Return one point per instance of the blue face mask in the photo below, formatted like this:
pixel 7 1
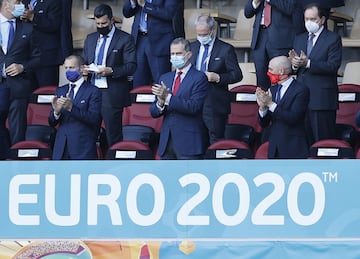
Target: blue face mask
pixel 178 61
pixel 19 10
pixel 72 75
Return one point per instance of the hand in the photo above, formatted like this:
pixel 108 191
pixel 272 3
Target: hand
pixel 57 106
pixel 67 105
pixel 212 76
pixel 14 69
pixel 141 3
pixel 105 71
pixel 84 70
pixel 28 14
pixel 260 98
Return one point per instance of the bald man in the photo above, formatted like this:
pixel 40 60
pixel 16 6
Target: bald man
pixel 284 107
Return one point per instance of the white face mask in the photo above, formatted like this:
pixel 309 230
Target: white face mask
pixel 204 39
pixel 312 26
pixel 178 61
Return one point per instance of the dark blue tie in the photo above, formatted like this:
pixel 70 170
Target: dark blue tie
pixel 11 34
pixel 71 95
pixel 278 94
pixel 203 59
pixel 100 56
pixel 310 44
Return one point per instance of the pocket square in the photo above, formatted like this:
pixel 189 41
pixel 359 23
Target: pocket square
pixel 217 59
pixel 41 11
pixel 23 36
pixel 115 50
pixel 82 101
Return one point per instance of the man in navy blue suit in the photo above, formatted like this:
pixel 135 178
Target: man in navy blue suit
pixel 273 32
pixel 180 96
pixel 221 67
pixel 77 111
pixel 153 32
pixel 284 107
pixel 316 65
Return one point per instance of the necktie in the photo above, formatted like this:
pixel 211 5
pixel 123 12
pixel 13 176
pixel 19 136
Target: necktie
pixel 267 14
pixel 100 56
pixel 177 83
pixel 71 95
pixel 203 59
pixel 11 34
pixel 144 253
pixel 310 43
pixel 278 94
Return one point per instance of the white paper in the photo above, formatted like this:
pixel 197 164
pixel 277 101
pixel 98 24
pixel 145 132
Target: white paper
pixel 94 68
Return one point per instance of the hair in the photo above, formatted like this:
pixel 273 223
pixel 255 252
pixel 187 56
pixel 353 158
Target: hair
pixel 79 59
pixel 321 11
pixel 102 10
pixel 182 41
pixel 206 20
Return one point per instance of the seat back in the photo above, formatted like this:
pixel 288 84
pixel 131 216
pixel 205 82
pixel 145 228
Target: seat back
pixel 40 105
pixel 126 24
pixel 351 73
pixel 355 28
pixel 349 104
pixel 241 132
pixel 138 113
pixel 262 151
pixel 331 149
pixel 30 150
pixel 244 27
pixel 129 150
pixel 43 133
pixel 249 75
pixel 244 108
pixel 229 149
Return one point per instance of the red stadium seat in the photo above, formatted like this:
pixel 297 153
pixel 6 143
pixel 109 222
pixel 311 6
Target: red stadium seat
pixel 30 150
pixel 129 150
pixel 262 151
pixel 349 104
pixel 228 149
pixel 40 105
pixel 330 149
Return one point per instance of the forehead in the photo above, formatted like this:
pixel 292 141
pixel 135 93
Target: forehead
pixel 102 19
pixel 177 48
pixel 202 27
pixel 311 13
pixel 70 62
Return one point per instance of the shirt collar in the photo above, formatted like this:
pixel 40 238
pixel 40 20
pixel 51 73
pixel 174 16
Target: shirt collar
pixel 78 82
pixel 3 19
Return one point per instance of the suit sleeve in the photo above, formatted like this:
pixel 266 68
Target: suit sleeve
pixel 249 10
pixel 128 11
pixel 128 66
pixel 233 72
pixel 284 6
pixel 50 20
pixel 165 12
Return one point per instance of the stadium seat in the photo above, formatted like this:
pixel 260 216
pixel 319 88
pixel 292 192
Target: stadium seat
pixel 330 149
pixel 40 105
pixel 240 132
pixel 30 150
pixel 144 134
pixel 262 151
pixel 43 133
pixel 347 133
pixel 357 155
pixel 349 104
pixel 129 150
pixel 229 149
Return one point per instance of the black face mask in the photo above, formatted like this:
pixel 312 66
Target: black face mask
pixel 103 30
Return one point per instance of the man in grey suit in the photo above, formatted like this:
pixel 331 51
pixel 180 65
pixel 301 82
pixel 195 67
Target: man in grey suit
pixel 109 55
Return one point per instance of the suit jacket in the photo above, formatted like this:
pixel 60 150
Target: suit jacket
pixel 79 128
pixel 281 31
pixel 47 23
pixel 66 35
pixel 321 76
pixel 223 61
pixel 160 14
pixel 23 51
pixel 287 131
pixel 121 57
pixel 183 115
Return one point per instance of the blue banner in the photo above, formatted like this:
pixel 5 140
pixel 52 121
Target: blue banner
pixel 210 199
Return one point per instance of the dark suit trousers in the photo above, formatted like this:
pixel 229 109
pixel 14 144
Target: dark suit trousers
pixel 112 117
pixel 4 108
pixel 215 123
pixel 171 154
pixel 149 67
pixel 320 125
pixel 263 53
pixel 17 120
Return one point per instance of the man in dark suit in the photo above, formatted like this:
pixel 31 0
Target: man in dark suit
pixel 153 32
pixel 284 107
pixel 46 17
pixel 66 35
pixel 112 67
pixel 77 112
pixel 316 66
pixel 273 33
pixel 180 97
pixel 218 61
pixel 19 56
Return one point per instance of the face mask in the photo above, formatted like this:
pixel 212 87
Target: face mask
pixel 19 10
pixel 178 61
pixel 204 39
pixel 72 75
pixel 103 30
pixel 312 26
pixel 274 78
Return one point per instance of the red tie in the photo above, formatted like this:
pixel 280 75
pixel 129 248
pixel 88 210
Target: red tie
pixel 177 83
pixel 267 14
pixel 144 253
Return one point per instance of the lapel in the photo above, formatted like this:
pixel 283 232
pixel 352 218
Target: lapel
pixel 80 93
pixel 195 53
pixel 319 42
pixel 214 53
pixel 92 46
pixel 186 81
pixel 113 42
